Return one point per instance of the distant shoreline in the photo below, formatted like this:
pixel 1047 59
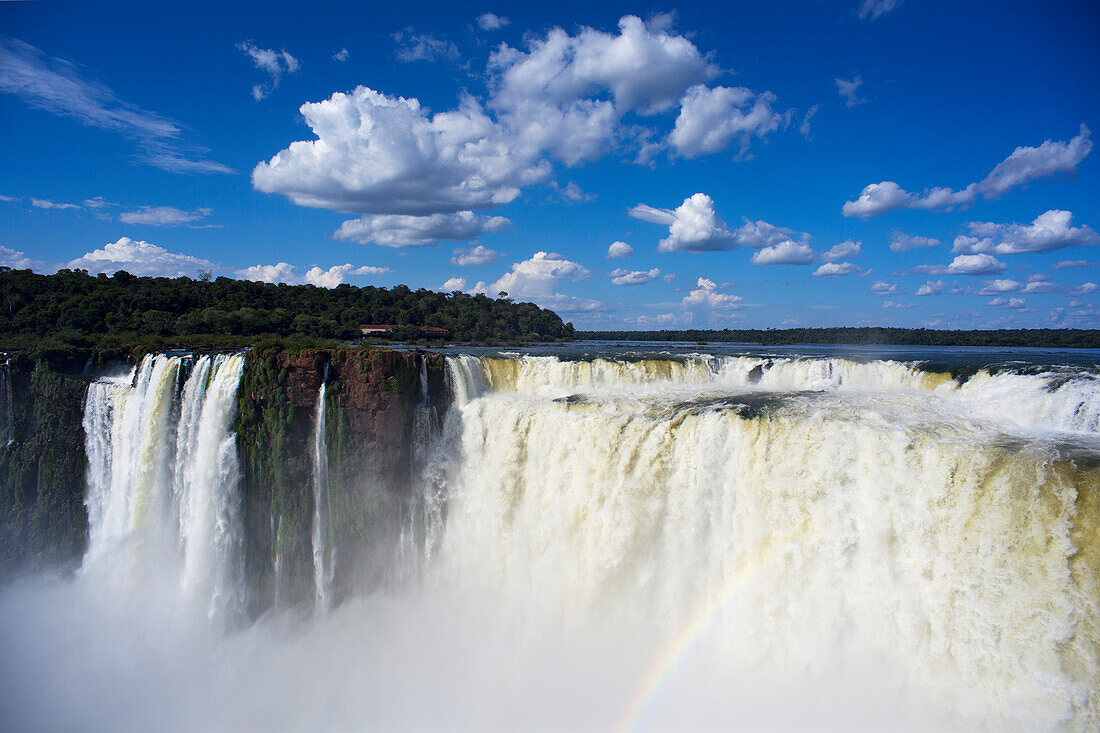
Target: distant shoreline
pixel 1061 338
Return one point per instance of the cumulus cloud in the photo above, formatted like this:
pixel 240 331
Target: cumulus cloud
pixel 845 249
pixel 881 287
pixel 1067 264
pixel 620 276
pixel 1024 165
pixel 453 284
pixel 1051 230
pixel 619 251
pixel 760 234
pixel 710 118
pixel 892 304
pixel 162 216
pixel 140 258
pixel 973 264
pixel 17 260
pixel 1084 289
pixel 330 278
pixel 478 255
pixel 399 230
pixel 901 242
pixel 341 55
pixel 271 62
pixel 1014 303
pixel 706 296
pixel 537 279
pixel 58 87
pixel 875 8
pixel 693 226
pixel 804 128
pixel 424 47
pixel 932 287
pixel 7 199
pixel 836 269
pixel 491 22
pixel 849 89
pixel 784 253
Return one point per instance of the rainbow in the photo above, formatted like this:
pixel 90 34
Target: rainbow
pixel 678 646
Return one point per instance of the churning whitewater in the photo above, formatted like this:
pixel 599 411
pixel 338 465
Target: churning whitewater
pixel 632 541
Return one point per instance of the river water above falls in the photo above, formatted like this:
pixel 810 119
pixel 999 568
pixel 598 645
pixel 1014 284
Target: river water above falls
pixel 650 538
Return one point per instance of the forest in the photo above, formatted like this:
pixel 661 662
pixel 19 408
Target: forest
pixel 870 336
pixel 74 310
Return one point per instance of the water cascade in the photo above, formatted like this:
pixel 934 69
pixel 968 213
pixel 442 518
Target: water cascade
pixel 7 417
pixel 323 552
pixel 163 481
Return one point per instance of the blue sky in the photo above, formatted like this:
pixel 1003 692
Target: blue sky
pixel 758 164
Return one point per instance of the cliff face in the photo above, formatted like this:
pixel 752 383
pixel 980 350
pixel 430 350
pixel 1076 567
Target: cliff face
pixel 42 465
pixel 370 405
pixel 372 398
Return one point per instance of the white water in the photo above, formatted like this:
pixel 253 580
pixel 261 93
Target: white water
pixel 653 545
pixel 323 553
pixel 163 497
pixel 7 418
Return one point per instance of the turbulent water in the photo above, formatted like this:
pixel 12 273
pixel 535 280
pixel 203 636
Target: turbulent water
pixel 627 541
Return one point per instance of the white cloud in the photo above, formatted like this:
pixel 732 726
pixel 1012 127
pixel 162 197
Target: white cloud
pixel 849 89
pixel 491 22
pixel 1066 264
pixel 140 258
pixel 1025 164
pixel 280 273
pixel 47 204
pixel 478 255
pixel 376 154
pixel 57 86
pixel 760 234
pixel 879 198
pixel 804 128
pixel 710 118
pixel 891 304
pixel 881 287
pixel 424 47
pixel 784 253
pixel 693 226
pixel 537 279
pixel 573 192
pixel 162 216
pixel 876 8
pixel 836 269
pixel 453 284
pixel 1084 289
pixel 901 242
pixel 619 251
pixel 271 62
pixel 7 199
pixel 330 278
pixel 978 264
pixel 1051 230
pixel 844 250
pixel 17 260
pixel 706 295
pixel 1015 303
pixel 670 277
pixel 1004 285
pixel 932 288
pixel 399 230
pixel 341 55
pixel 633 277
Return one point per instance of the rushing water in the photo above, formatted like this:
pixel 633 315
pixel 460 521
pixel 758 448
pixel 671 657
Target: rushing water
pixel 322 549
pixel 619 539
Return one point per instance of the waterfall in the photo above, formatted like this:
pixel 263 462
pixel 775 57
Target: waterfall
pixel 825 510
pixel 422 525
pixel 7 416
pixel 323 553
pixel 163 480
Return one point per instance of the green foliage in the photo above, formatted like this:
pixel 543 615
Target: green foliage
pixel 877 336
pixel 72 310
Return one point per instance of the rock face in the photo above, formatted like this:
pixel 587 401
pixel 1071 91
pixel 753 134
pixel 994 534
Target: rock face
pixel 370 405
pixel 42 465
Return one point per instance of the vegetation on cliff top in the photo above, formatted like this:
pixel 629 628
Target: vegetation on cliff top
pixel 72 309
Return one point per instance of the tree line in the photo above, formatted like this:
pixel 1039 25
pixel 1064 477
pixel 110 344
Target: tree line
pixel 72 309
pixel 869 336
